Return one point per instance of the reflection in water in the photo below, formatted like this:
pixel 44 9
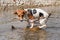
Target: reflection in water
pixel 21 34
pixel 36 35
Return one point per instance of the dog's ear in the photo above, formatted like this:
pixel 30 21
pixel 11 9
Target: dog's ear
pixel 15 13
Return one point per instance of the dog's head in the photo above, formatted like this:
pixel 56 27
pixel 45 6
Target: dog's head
pixel 20 14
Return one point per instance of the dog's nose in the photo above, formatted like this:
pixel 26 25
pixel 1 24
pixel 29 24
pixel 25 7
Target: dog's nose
pixel 21 20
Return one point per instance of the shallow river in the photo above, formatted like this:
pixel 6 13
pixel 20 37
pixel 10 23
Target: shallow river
pixel 52 32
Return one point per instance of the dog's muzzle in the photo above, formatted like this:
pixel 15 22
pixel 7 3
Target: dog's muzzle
pixel 21 20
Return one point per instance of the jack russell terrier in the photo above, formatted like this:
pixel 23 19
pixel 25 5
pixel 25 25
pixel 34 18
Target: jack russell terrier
pixel 32 14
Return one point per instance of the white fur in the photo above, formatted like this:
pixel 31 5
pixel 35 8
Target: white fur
pixel 31 23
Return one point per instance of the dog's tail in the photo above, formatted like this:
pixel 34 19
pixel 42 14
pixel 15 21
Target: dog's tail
pixel 49 15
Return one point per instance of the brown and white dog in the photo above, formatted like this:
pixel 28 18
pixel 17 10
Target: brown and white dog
pixel 33 13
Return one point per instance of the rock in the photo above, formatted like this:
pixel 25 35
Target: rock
pixel 12 27
pixel 33 29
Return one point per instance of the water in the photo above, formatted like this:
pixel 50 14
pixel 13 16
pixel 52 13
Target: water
pixel 52 32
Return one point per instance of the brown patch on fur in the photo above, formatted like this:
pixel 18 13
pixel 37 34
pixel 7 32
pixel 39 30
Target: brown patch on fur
pixel 30 16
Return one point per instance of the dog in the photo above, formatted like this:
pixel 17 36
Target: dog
pixel 32 14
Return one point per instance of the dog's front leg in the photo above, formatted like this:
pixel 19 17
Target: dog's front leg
pixel 31 23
